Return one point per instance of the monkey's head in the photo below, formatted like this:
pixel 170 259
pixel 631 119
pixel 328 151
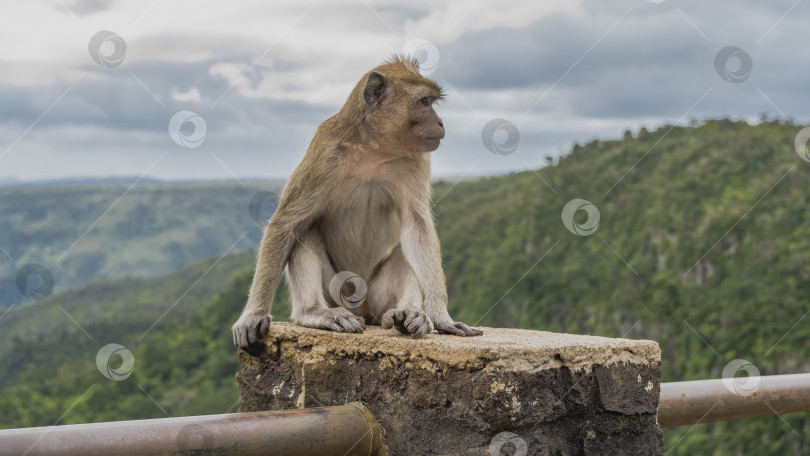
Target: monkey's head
pixel 398 103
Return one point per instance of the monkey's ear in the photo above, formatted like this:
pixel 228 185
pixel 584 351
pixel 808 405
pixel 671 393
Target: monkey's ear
pixel 376 88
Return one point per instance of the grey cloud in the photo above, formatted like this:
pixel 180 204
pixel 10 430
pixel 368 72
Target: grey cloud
pixel 653 63
pixel 399 15
pixel 109 114
pixel 86 7
pixel 114 98
pixel 650 68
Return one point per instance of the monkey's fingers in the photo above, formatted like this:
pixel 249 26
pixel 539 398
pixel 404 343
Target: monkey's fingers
pixel 411 319
pixel 258 330
pixel 394 319
pixel 264 326
pixel 361 320
pixel 458 329
pixel 349 325
pixel 418 323
pixel 468 330
pixel 337 321
pixel 248 333
pixel 242 337
pixel 444 328
pixel 387 319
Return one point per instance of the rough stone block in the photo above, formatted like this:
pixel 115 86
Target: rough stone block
pixel 527 392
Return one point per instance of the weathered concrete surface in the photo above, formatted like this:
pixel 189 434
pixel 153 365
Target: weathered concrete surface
pixel 560 394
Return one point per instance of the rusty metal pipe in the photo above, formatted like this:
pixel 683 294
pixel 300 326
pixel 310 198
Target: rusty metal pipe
pixel 706 401
pixel 348 429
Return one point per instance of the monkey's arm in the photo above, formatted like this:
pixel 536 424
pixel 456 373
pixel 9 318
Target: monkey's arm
pixel 277 242
pixel 420 245
pixel 296 210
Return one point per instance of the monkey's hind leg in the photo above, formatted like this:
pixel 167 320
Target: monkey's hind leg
pixel 307 272
pixel 396 297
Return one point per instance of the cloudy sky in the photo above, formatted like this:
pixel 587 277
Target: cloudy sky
pixel 90 87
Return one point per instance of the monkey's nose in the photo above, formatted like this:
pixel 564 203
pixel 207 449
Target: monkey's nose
pixel 441 124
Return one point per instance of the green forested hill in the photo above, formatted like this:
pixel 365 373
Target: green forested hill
pixel 716 216
pixel 84 233
pixel 176 326
pixel 128 304
pixel 702 245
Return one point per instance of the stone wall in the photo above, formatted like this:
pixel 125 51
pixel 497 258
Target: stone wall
pixel 508 392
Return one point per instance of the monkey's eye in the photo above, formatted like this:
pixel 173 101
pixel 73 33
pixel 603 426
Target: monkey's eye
pixel 426 101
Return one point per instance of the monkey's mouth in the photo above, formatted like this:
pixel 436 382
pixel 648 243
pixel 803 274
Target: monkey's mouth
pixel 433 138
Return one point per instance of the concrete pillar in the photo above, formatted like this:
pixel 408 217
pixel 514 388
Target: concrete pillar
pixel 510 391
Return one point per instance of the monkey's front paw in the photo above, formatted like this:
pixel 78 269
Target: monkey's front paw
pixel 408 321
pixel 249 330
pixel 458 329
pixel 341 320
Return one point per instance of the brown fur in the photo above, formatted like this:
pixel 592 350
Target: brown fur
pixel 360 201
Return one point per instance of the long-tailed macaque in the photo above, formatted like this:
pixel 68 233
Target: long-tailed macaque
pixel 360 201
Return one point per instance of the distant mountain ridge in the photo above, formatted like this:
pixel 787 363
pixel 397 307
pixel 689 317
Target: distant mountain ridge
pixel 123 180
pixel 83 233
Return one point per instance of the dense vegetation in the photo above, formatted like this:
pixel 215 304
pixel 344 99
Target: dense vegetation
pixel 716 214
pixel 84 233
pixel 174 325
pixel 702 246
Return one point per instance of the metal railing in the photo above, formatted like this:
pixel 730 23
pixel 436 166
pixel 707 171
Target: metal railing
pixel 348 429
pixel 706 401
pixel 351 429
